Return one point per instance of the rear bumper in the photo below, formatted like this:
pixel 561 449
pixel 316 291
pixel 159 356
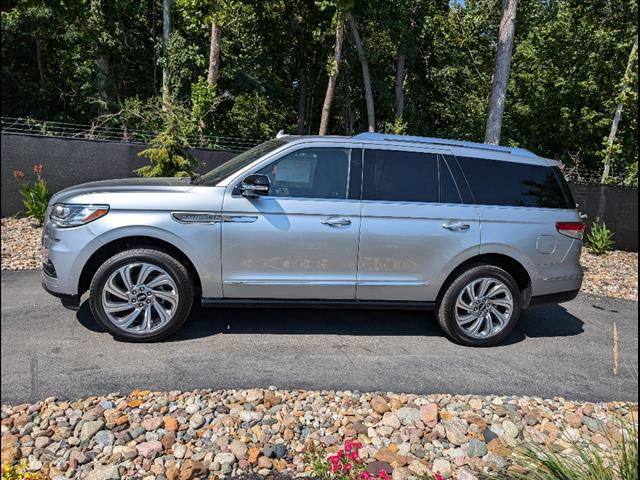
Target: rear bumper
pixel 553 298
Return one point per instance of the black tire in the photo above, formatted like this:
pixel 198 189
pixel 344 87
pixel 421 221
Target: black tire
pixel 170 265
pixel 445 308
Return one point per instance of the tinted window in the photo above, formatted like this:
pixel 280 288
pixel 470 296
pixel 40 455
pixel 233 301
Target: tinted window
pixel 513 184
pixel 310 173
pixel 400 176
pixel 238 162
pixel 449 192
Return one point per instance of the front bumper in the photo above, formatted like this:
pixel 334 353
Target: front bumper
pixel 72 302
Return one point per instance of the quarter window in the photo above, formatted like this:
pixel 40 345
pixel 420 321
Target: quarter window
pixel 400 176
pixel 496 182
pixel 310 173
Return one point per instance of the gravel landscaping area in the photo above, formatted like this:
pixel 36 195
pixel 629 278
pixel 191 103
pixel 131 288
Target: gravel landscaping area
pixel 613 275
pixel 200 434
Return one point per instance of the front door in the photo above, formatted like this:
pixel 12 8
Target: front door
pixel 301 240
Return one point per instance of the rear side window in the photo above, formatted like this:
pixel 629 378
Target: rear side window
pixel 514 184
pixel 400 176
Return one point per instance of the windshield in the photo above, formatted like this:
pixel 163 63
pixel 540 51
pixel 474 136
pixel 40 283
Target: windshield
pixel 221 172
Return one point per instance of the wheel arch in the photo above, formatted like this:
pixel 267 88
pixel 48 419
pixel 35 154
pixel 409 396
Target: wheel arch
pixel 511 265
pixel 117 245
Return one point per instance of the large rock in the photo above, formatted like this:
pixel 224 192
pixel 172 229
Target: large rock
pixel 238 449
pixel 385 454
pixel 442 466
pixel 391 420
pixel 429 414
pixel 456 431
pixel 148 449
pixel 379 405
pixel 106 472
pixel 408 416
pixel 89 429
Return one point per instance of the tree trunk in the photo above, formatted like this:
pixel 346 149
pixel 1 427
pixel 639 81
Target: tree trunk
pixel 501 73
pixel 302 97
pixel 618 114
pixel 166 28
pixel 401 73
pixel 333 79
pixel 214 54
pixel 366 78
pixel 39 60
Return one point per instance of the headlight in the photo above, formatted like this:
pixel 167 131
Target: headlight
pixel 65 215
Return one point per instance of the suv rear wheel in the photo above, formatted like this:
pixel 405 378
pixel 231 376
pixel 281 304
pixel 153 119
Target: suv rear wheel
pixel 480 307
pixel 141 295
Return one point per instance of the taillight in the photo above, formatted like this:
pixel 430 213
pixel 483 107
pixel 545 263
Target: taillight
pixel 571 229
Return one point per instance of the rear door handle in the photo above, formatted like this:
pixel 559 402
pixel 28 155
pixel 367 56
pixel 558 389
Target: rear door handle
pixel 336 221
pixel 455 226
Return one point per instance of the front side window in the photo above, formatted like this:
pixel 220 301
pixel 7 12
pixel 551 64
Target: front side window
pixel 238 162
pixel 310 173
pixel 400 176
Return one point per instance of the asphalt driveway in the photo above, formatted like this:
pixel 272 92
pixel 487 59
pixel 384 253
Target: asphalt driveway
pixel 562 350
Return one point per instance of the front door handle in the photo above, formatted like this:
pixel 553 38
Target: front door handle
pixel 336 221
pixel 456 226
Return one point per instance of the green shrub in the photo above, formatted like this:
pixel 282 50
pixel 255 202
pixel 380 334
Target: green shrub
pixel 168 153
pixel 600 239
pixel 588 461
pixel 35 194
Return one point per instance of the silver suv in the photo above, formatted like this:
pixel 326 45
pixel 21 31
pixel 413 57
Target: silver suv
pixel 476 232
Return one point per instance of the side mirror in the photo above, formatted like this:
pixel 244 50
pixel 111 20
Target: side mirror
pixel 254 186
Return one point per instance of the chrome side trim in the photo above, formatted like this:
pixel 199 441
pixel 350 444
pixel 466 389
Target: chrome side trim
pixel 370 283
pixel 196 217
pixel 564 277
pixel 239 218
pixel 291 282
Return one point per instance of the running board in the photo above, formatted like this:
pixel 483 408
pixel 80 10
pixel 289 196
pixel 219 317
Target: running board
pixel 314 303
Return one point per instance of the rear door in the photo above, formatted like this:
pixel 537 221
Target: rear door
pixel 301 240
pixel 415 224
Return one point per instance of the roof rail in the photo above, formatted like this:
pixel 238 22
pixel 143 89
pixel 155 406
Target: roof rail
pixel 443 141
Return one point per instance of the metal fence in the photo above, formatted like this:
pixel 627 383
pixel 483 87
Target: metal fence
pixel 29 126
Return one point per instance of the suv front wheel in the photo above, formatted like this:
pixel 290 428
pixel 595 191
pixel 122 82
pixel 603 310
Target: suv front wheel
pixel 141 295
pixel 480 307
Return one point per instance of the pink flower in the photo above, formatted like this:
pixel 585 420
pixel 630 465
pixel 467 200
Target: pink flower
pixel 365 476
pixel 348 444
pixel 37 169
pixel 347 467
pixel 438 477
pixel 18 174
pixel 383 475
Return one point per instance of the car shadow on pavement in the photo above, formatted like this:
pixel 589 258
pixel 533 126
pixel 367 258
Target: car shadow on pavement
pixel 548 321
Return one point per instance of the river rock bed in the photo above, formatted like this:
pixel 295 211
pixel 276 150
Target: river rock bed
pixel 209 434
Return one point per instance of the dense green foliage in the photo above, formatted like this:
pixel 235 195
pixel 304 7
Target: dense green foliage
pixel 97 61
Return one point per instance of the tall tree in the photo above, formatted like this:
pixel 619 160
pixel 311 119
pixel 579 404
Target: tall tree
pixel 214 52
pixel 166 29
pixel 501 72
pixel 333 77
pixel 366 77
pixel 401 74
pixel 618 114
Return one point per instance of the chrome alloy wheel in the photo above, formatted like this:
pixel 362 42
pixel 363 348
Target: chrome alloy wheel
pixel 140 298
pixel 484 307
